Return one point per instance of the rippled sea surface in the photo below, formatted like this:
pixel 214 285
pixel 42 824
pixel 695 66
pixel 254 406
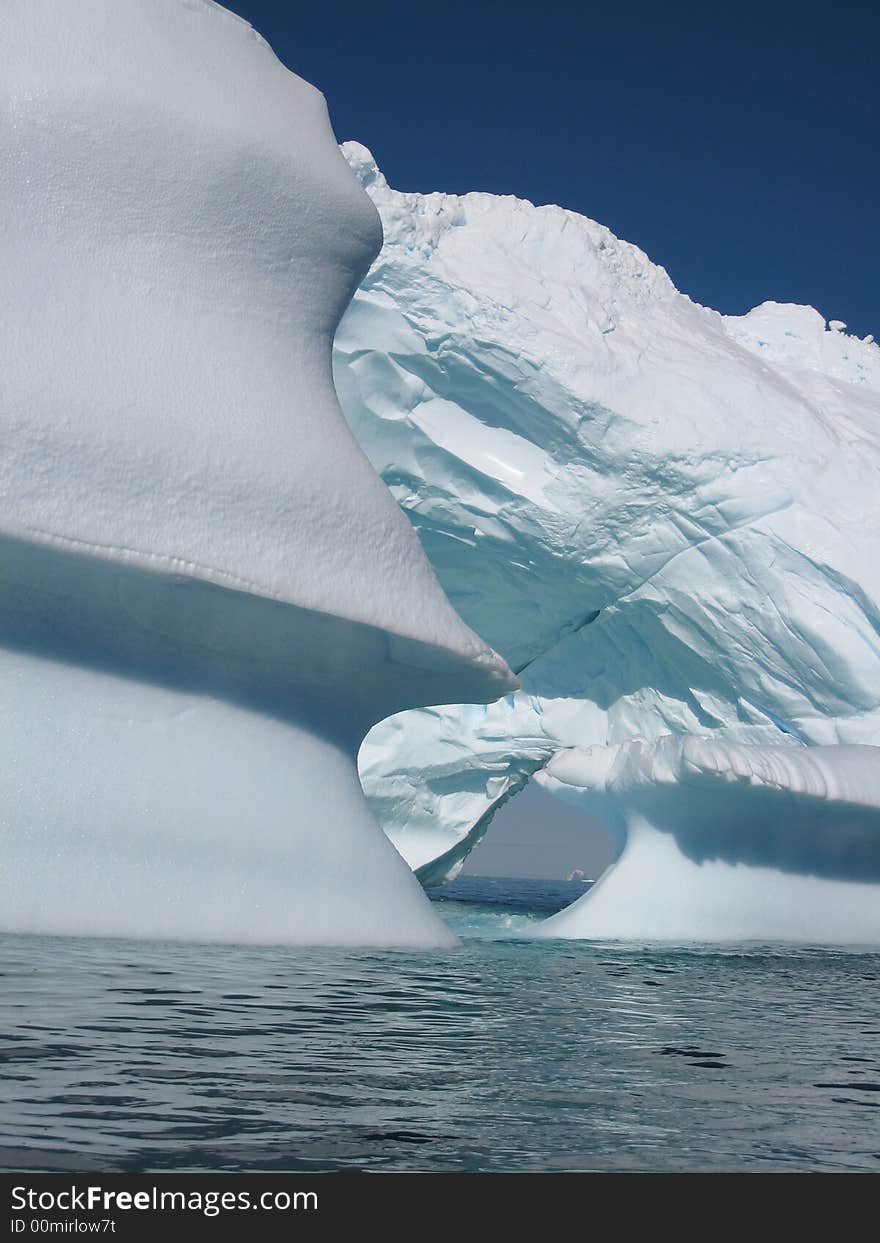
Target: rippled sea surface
pixel 507 1054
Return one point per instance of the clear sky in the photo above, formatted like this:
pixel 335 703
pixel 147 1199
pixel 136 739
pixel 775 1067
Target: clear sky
pixel 736 144
pixel 536 835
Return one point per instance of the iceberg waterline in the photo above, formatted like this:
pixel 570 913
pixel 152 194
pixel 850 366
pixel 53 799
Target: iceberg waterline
pixel 668 520
pixel 208 594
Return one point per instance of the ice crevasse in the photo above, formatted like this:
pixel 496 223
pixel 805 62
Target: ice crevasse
pixel 668 521
pixel 208 595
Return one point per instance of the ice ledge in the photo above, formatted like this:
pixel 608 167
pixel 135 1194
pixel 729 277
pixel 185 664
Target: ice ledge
pixel 721 842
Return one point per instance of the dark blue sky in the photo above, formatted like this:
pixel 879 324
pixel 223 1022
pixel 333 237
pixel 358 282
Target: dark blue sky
pixel 737 146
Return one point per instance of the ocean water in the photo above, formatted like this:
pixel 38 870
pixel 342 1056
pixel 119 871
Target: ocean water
pixel 507 1055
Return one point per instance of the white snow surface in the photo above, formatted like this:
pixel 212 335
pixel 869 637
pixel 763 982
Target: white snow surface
pixel 666 519
pixel 208 594
pixel 178 249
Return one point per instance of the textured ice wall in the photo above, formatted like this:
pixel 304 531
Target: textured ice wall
pixel 668 520
pixel 208 594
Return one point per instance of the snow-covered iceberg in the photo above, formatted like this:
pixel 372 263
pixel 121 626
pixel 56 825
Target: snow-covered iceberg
pixel 208 594
pixel 666 519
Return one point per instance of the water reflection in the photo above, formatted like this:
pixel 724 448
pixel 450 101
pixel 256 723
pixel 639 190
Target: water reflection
pixel 505 1055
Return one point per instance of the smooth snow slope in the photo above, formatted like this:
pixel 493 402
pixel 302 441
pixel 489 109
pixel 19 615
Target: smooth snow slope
pixel 667 520
pixel 209 596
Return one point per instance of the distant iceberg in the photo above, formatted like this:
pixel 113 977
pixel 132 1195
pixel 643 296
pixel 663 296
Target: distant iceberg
pixel 667 520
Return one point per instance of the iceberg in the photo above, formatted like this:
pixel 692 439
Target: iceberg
pixel 666 519
pixel 209 596
pixel 224 596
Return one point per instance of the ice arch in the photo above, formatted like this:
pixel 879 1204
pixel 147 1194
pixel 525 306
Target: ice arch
pixel 723 842
pixel 208 594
